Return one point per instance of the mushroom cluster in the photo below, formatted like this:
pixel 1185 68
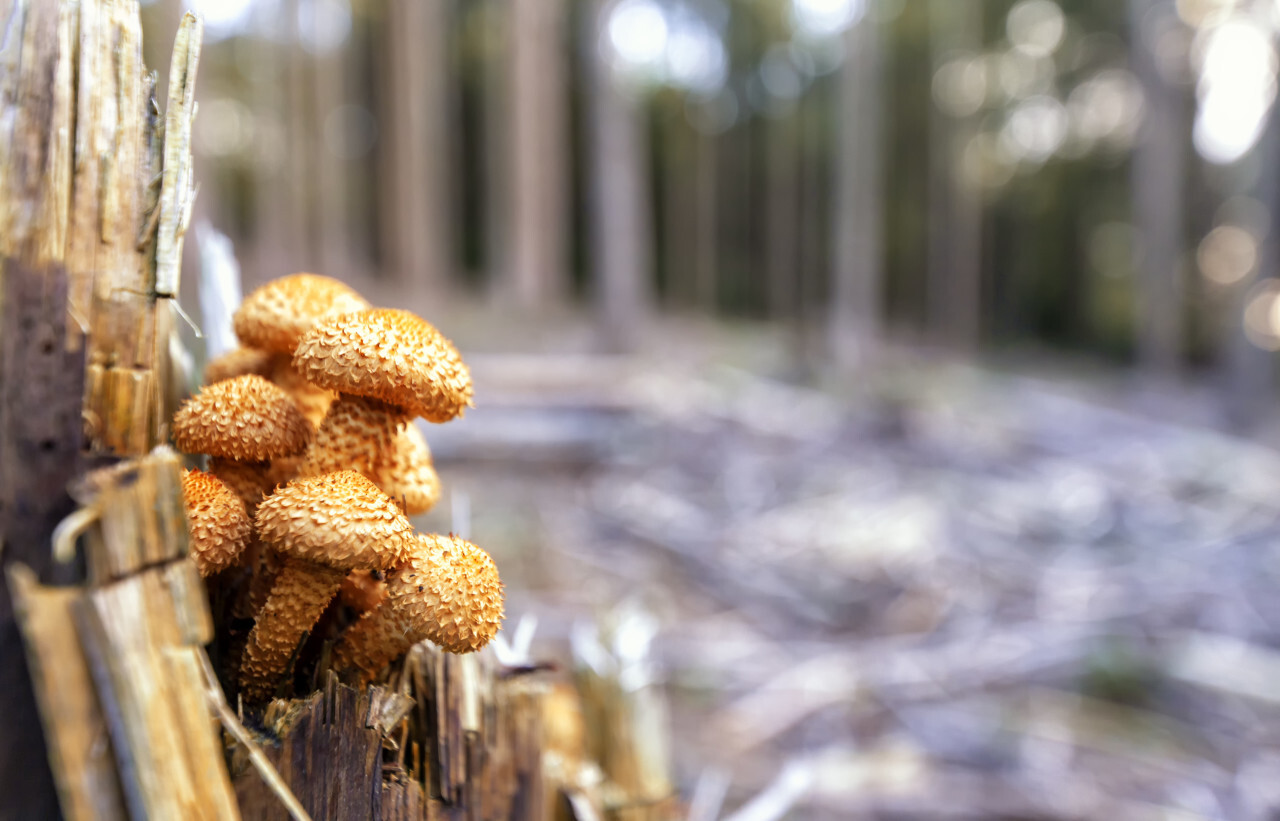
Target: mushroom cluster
pixel 315 465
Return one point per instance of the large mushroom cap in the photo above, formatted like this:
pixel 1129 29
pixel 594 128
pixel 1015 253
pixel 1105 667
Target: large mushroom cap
pixel 391 355
pixel 451 590
pixel 245 418
pixel 275 316
pixel 220 527
pixel 340 520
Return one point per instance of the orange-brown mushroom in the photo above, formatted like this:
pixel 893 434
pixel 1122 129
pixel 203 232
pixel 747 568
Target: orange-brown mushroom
pixel 242 423
pixel 388 366
pixel 323 528
pixel 238 362
pixel 447 591
pixel 274 317
pixel 220 527
pixel 245 418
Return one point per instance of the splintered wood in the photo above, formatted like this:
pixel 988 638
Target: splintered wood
pixel 448 738
pixel 117 664
pixel 95 194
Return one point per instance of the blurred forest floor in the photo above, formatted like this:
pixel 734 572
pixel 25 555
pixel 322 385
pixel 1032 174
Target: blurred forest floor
pixel 936 592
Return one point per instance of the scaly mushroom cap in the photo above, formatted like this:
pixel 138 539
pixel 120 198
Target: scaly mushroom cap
pixel 448 591
pixel 390 355
pixel 245 418
pixel 340 520
pixel 275 316
pixel 220 528
pixel 238 362
pixel 458 595
pixel 408 475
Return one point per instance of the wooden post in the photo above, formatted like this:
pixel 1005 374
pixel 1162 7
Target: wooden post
pixel 621 228
pixel 854 321
pixel 90 231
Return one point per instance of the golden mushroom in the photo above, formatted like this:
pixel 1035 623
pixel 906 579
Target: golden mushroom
pixel 244 419
pixel 274 317
pixel 388 366
pixel 220 527
pixel 323 528
pixel 447 591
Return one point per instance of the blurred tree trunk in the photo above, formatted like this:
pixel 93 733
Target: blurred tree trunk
pixel 496 126
pixel 280 225
pixel 954 298
pixel 301 142
pixel 1159 161
pixel 783 167
pixel 707 222
pixel 619 202
pixel 1250 370
pixel 857 281
pixel 332 228
pixel 538 146
pixel 679 210
pixel 415 178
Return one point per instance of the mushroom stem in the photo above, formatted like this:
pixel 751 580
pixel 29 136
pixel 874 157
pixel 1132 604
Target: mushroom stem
pixel 356 434
pixel 374 642
pixel 302 591
pixel 249 480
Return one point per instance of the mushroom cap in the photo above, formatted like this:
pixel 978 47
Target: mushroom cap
pixel 340 520
pixel 238 362
pixel 276 315
pixel 220 527
pixel 245 418
pixel 408 473
pixel 391 355
pixel 449 590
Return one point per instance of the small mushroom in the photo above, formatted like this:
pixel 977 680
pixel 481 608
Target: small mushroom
pixel 362 590
pixel 448 592
pixel 274 318
pixel 220 527
pixel 388 366
pixel 246 419
pixel 238 362
pixel 323 528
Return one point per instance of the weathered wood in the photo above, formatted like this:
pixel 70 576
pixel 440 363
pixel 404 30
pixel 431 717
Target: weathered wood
pixel 447 738
pixel 88 783
pixel 121 661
